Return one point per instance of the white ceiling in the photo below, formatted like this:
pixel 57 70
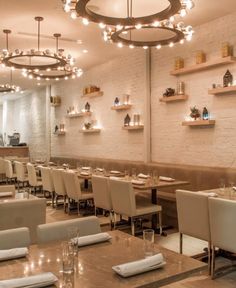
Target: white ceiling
pixel 18 15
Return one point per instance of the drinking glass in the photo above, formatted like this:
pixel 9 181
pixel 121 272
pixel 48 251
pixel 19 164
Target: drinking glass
pixel 222 186
pixel 67 257
pixel 148 237
pixel 73 234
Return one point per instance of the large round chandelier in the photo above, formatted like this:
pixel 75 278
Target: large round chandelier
pixel 34 60
pixel 122 30
pixel 9 87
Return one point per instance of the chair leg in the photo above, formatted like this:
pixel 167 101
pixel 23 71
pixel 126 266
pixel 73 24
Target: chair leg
pixel 65 203
pixel 213 263
pixel 209 258
pixel 95 210
pixel 132 226
pixel 160 222
pixel 181 243
pixel 111 218
pixel 114 221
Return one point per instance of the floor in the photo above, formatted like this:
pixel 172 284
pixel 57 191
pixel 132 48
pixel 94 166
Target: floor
pixel 192 247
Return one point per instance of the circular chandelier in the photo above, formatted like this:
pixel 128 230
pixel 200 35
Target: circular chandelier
pixel 121 30
pixel 34 60
pixel 9 88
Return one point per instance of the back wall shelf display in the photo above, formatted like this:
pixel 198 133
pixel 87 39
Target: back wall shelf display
pixel 91 130
pixel 79 114
pixel 200 122
pixel 174 98
pixel 204 66
pixel 55 101
pixel 133 128
pixel 222 90
pixel 59 133
pixel 121 107
pixel 93 94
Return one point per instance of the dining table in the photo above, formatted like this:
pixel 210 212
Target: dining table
pixel 93 265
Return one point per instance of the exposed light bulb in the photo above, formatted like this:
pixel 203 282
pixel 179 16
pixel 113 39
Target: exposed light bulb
pixel 120 45
pixel 189 37
pixel 183 12
pixel 131 46
pixel 171 44
pixel 172 19
pixel 102 25
pixel 85 21
pixel 57 79
pixel 156 24
pixel 181 41
pixel 67 8
pixel 119 27
pixel 66 78
pixel 73 15
pixel 145 47
pixel 158 46
pixel 138 26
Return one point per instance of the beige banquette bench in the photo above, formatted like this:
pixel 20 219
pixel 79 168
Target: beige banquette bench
pixel 199 177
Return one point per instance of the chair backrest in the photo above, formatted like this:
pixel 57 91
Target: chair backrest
pixel 59 230
pixel 222 223
pixel 23 213
pixel 32 177
pixel 193 214
pixel 14 238
pixel 8 169
pixel 122 197
pixel 47 180
pixel 58 181
pixel 20 171
pixel 8 188
pixel 2 166
pixel 72 185
pixel 101 192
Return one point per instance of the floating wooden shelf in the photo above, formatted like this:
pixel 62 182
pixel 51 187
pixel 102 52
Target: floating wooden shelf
pixel 174 98
pixel 55 104
pixel 204 66
pixel 222 90
pixel 135 127
pixel 59 133
pixel 93 94
pixel 80 114
pixel 121 107
pixel 199 123
pixel 92 130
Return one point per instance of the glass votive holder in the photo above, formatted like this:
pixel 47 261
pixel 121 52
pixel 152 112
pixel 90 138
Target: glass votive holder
pixel 67 257
pixel 148 238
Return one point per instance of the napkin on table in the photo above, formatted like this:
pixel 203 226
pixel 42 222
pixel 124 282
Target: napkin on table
pixel 140 266
pixel 84 173
pixel 141 175
pixel 137 182
pixel 13 253
pixel 36 281
pixel 114 172
pixel 86 168
pixel 168 179
pixel 6 194
pixel 93 239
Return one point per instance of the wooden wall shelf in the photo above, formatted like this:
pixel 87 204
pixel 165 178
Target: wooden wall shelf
pixel 80 114
pixel 222 90
pixel 199 123
pixel 93 94
pixel 121 107
pixel 92 130
pixel 55 104
pixel 133 128
pixel 173 98
pixel 204 66
pixel 58 133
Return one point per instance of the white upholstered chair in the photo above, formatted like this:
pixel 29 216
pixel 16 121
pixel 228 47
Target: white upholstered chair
pixel 222 214
pixel 73 189
pixel 59 185
pixel 14 238
pixel 101 194
pixel 59 230
pixel 47 182
pixel 8 188
pixel 193 217
pixel 32 177
pixel 23 213
pixel 2 168
pixel 9 171
pixel 20 174
pixel 124 203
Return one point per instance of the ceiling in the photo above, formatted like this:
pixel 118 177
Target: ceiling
pixel 19 17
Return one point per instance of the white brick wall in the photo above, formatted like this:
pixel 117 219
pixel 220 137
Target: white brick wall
pixel 173 143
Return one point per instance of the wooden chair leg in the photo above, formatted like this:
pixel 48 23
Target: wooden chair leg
pixel 209 257
pixel 213 263
pixel 132 226
pixel 181 243
pixel 160 222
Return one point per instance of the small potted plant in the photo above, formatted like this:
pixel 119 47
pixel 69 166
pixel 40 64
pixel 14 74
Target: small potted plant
pixel 195 113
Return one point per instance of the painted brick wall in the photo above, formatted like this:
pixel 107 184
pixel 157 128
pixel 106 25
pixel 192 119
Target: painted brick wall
pixel 173 143
pixel 117 77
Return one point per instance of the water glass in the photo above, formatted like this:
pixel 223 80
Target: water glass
pixel 67 257
pixel 148 238
pixel 222 186
pixel 73 234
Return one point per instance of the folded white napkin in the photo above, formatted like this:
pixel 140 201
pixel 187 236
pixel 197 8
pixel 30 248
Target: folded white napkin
pixel 234 188
pixel 209 194
pixel 13 253
pixel 86 168
pixel 6 194
pixel 84 173
pixel 36 281
pixel 168 179
pixel 141 175
pixel 140 266
pixel 100 169
pixel 93 239
pixel 137 182
pixel 114 172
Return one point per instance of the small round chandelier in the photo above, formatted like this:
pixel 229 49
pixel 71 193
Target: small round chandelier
pixel 9 87
pixel 122 30
pixel 34 59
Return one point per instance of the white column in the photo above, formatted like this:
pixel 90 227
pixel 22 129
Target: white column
pixel 48 122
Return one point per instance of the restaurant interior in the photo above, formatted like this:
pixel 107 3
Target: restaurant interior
pixel 117 135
